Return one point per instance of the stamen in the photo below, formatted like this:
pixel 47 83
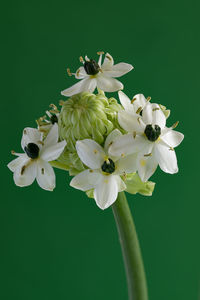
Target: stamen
pixel 22 170
pixel 138 119
pixel 100 52
pixel 148 98
pixel 13 152
pixel 156 108
pixel 122 155
pixel 149 154
pixel 69 72
pixel 91 171
pixel 134 134
pixel 139 110
pixel 175 124
pixel 81 59
pixel 108 57
pixel 171 148
pixel 133 100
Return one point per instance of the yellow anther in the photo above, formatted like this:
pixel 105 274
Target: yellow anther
pixel 148 98
pixel 139 110
pixel 175 125
pixel 81 59
pixel 100 52
pixel 122 155
pixel 108 57
pixel 69 72
pixel 156 108
pixel 149 154
pixel 91 171
pixel 171 148
pixel 133 100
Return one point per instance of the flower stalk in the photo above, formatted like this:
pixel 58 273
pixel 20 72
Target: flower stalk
pixel 137 287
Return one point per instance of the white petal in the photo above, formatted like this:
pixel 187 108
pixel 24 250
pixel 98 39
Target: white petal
pixel 166 158
pixel 80 73
pixel 108 62
pixel 108 84
pixel 86 180
pixel 86 84
pixel 139 101
pixel 52 137
pixel 118 70
pixel 152 114
pixel 52 152
pixel 125 101
pixel 146 165
pixel 121 184
pixel 30 135
pixel 110 139
pixel 45 175
pixel 105 193
pixel 25 174
pixel 127 164
pixel 130 121
pixel 91 153
pixel 20 161
pixel 127 144
pixel 172 138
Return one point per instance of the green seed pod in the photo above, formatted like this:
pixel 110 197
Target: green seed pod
pixel 85 116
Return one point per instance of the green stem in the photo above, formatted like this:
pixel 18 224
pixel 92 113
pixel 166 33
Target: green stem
pixel 58 165
pixel 137 288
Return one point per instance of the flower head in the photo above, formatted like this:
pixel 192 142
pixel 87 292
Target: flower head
pixel 148 136
pixel 95 74
pixel 104 170
pixel 34 163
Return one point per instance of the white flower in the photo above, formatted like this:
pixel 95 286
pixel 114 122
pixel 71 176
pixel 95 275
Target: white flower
pixel 104 171
pixel 34 162
pixel 98 75
pixel 148 137
pixel 44 124
pixel 136 105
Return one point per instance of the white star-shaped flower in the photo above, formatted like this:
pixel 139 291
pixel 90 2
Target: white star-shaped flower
pixel 148 136
pixel 34 162
pixel 94 74
pixel 104 170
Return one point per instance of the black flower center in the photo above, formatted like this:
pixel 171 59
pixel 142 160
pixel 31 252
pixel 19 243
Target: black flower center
pixel 91 67
pixel 32 150
pixel 54 119
pixel 152 133
pixel 108 166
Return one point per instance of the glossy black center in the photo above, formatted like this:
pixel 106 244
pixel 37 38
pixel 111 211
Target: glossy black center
pixel 108 166
pixel 152 133
pixel 54 119
pixel 32 150
pixel 91 67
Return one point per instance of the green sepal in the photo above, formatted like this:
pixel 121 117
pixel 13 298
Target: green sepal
pixel 135 185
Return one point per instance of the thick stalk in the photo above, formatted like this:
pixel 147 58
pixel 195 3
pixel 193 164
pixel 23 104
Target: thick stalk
pixel 137 288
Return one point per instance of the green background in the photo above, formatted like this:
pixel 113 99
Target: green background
pixel 60 245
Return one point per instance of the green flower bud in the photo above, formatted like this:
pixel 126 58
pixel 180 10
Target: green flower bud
pixel 85 116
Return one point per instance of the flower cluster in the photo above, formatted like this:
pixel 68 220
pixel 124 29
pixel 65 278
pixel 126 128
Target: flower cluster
pixel 109 146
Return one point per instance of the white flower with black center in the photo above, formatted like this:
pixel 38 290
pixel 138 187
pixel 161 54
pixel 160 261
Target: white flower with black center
pixel 150 138
pixel 104 170
pixel 34 163
pixel 95 74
